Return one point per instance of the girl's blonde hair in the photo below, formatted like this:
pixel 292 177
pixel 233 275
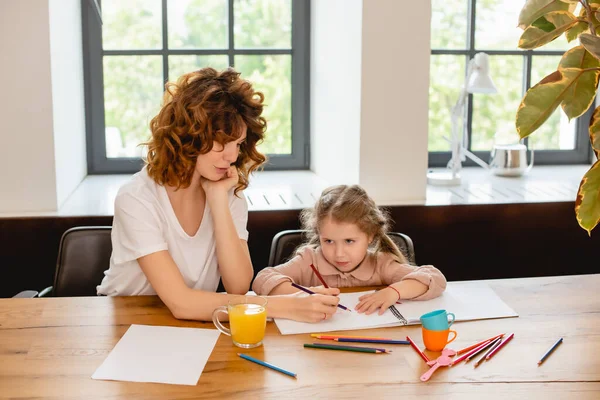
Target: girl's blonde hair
pixel 350 204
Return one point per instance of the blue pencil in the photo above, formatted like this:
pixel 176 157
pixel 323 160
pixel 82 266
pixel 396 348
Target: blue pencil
pixel 311 292
pixel 550 351
pixel 383 341
pixel 266 364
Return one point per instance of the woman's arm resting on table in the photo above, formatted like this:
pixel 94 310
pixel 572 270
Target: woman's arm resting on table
pixel 186 303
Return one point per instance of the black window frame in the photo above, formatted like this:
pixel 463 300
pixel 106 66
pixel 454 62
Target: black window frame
pixel 93 54
pixel 581 154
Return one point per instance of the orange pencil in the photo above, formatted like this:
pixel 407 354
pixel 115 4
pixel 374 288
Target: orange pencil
pixel 319 275
pixel 469 353
pixel 333 337
pixel 479 344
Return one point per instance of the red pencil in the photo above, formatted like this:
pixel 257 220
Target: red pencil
pixel 500 346
pixel 478 344
pixel 459 359
pixel 319 275
pixel 419 352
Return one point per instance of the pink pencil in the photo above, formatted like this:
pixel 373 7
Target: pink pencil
pixel 476 349
pixel 500 346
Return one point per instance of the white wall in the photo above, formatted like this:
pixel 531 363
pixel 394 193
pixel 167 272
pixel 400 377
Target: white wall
pixel 42 157
pixel 27 150
pixel 335 91
pixel 66 61
pixel 369 96
pixel 395 100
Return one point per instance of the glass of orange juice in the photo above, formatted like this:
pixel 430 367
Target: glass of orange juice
pixel 247 320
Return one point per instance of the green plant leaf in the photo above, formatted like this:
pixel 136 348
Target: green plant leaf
pixel 534 36
pixel 576 30
pixel 581 94
pixel 591 43
pixel 587 205
pixel 595 132
pixel 541 100
pixel 533 9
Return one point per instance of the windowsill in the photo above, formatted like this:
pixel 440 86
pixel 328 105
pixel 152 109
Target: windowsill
pixel 289 190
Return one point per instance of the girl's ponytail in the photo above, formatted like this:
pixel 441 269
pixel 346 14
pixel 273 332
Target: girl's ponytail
pixel 387 245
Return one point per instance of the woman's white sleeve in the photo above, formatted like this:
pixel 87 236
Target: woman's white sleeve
pixel 137 229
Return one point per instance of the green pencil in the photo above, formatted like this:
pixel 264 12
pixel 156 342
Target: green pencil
pixel 346 348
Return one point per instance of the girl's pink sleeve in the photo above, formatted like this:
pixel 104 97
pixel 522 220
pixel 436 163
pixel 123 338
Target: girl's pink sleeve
pixel 296 270
pixel 428 275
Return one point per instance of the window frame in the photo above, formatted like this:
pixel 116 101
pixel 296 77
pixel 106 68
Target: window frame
pixel 93 54
pixel 581 154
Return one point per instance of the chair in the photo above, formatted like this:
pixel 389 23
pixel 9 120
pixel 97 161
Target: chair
pixel 83 256
pixel 285 242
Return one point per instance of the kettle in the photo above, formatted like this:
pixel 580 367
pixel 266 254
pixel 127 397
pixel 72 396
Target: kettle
pixel 510 160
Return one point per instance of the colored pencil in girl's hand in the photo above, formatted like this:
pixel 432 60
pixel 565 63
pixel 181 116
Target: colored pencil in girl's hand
pixel 346 348
pixel 319 275
pixel 311 292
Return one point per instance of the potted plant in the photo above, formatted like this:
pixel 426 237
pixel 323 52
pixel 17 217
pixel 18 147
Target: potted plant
pixel 572 86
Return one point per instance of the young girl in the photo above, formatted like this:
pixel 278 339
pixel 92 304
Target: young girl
pixel 349 246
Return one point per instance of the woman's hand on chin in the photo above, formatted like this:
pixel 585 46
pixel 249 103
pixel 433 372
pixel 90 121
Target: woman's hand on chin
pixel 222 186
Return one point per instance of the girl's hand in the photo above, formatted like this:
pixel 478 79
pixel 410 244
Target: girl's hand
pixel 313 308
pixel 381 300
pixel 222 186
pixel 325 291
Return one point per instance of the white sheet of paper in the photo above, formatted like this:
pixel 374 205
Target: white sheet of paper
pixel 162 354
pixel 467 300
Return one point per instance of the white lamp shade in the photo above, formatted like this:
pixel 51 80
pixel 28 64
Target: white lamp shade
pixel 480 81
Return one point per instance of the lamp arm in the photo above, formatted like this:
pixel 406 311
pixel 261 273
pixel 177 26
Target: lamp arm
pixel 458 139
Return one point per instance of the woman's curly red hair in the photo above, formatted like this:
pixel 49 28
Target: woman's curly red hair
pixel 202 107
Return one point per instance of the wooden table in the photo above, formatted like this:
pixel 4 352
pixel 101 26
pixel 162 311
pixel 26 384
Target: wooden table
pixel 50 347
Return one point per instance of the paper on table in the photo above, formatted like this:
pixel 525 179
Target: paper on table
pixel 467 300
pixel 162 354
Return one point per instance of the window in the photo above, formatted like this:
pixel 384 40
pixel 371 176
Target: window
pixel 459 30
pixel 139 45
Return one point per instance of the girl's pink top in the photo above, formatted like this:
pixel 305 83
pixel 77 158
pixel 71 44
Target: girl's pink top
pixel 375 270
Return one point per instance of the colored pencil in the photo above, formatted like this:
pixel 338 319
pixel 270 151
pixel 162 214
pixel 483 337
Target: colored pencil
pixel 478 344
pixel 266 364
pixel 491 348
pixel 467 354
pixel 351 340
pixel 550 351
pixel 419 352
pixel 318 275
pixel 311 292
pixel 479 350
pixel 504 341
pixel 332 337
pixel 346 348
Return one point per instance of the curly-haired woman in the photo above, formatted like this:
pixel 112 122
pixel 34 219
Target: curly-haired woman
pixel 180 223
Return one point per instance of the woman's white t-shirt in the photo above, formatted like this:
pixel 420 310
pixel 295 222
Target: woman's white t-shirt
pixel 145 223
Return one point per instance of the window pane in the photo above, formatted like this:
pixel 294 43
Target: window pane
pixel 447 74
pixel 494 114
pixel 179 65
pixel 272 75
pixel 131 24
pixel 197 24
pixel 449 24
pixel 132 96
pixel 496 24
pixel 557 133
pixel 262 24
